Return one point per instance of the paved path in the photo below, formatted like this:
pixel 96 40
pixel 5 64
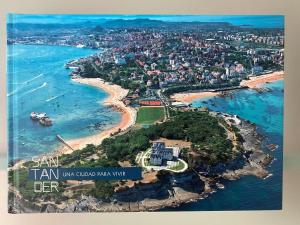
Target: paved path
pixel 179 171
pixel 157 168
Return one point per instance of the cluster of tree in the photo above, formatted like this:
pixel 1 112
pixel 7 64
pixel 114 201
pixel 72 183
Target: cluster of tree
pixel 269 65
pixel 217 69
pixel 20 179
pixel 200 128
pixel 176 89
pixel 117 74
pixel 89 71
pixel 205 133
pixel 102 190
pixel 126 146
pixel 242 58
pixel 78 156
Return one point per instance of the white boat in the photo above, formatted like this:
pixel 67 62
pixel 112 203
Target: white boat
pixel 80 46
pixel 37 116
pixel 220 186
pixel 42 118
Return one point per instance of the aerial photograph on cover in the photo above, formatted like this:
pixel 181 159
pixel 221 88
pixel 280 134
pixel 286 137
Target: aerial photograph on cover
pixel 193 104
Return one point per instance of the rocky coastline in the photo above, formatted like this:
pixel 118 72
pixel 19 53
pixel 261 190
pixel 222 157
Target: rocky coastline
pixel 174 189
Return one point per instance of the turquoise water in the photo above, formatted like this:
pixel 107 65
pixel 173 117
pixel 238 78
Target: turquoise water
pixel 36 74
pixel 251 193
pixel 264 109
pixel 78 107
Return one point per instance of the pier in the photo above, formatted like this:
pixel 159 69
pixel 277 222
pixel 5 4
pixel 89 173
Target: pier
pixel 63 141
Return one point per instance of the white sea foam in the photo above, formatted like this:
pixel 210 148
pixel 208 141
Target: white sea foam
pixel 32 79
pixel 11 93
pixel 23 84
pixel 55 97
pixel 35 89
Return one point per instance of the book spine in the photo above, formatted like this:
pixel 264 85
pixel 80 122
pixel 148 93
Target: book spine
pixel 12 179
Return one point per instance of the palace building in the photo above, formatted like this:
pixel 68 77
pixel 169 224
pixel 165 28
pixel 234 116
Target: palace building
pixel 160 153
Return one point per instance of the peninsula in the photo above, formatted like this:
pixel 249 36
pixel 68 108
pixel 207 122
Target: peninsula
pixel 152 71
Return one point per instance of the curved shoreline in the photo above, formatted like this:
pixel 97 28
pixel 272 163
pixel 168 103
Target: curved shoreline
pixel 253 82
pixel 114 99
pixel 116 94
pixel 255 165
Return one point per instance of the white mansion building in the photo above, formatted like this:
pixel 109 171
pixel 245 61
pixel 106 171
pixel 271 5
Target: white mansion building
pixel 160 153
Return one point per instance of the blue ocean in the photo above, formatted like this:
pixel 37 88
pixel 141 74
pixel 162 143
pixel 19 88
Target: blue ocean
pixel 251 193
pixel 37 81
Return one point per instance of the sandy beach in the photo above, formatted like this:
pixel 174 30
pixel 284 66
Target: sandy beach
pixel 253 82
pixel 116 94
pixel 191 96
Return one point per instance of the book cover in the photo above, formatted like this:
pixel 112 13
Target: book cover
pixel 125 113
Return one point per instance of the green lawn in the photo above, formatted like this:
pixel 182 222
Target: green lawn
pixel 179 166
pixel 150 115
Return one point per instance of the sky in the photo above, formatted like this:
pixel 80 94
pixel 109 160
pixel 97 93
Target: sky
pixel 272 21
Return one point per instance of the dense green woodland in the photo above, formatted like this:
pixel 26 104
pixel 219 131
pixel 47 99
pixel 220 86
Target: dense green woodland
pixel 200 128
pixel 182 88
pixel 203 130
pixel 116 74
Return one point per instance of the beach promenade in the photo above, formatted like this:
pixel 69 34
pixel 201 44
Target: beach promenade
pixel 253 82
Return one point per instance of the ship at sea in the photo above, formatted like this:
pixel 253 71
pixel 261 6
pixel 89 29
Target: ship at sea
pixel 43 119
pixel 70 107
